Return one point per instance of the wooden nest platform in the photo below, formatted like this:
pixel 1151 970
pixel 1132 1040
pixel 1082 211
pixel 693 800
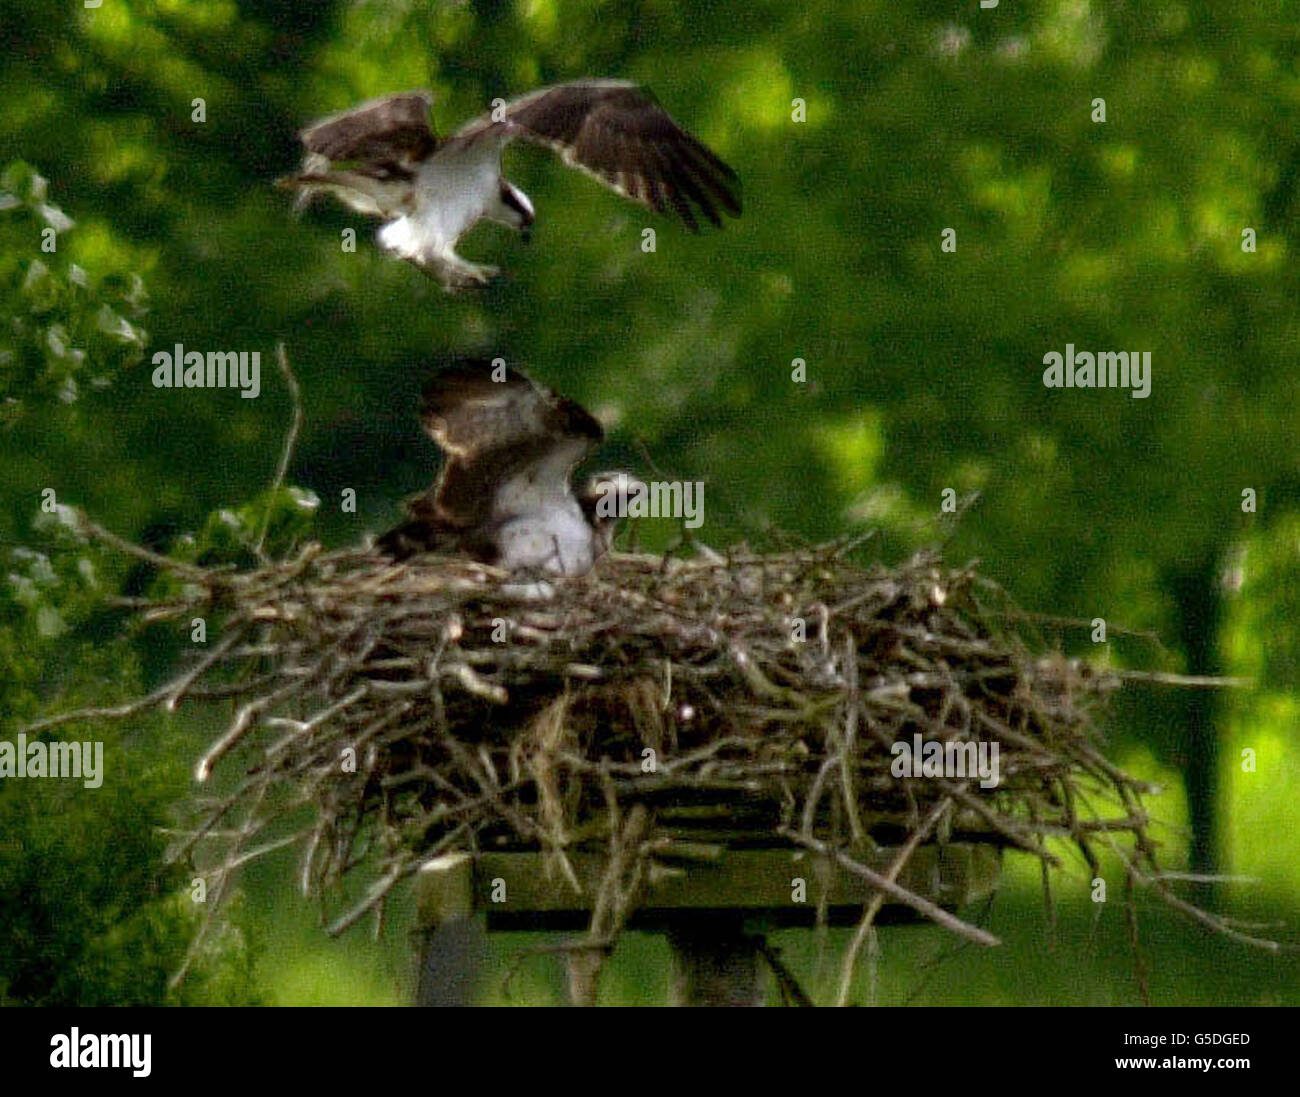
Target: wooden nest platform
pixel 387 719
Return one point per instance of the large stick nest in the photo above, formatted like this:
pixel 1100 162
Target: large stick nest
pixel 384 715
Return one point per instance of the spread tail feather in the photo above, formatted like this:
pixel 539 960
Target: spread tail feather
pixel 367 195
pixel 303 191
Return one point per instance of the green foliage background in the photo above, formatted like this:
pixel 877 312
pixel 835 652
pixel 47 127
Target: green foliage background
pixel 924 373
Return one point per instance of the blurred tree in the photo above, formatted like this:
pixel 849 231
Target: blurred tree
pixel 57 331
pixel 91 916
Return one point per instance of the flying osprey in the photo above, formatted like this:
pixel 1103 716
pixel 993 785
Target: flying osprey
pixel 504 495
pixel 383 159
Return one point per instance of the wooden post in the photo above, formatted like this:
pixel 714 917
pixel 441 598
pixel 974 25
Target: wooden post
pixel 451 958
pixel 453 940
pixel 713 962
pixel 702 904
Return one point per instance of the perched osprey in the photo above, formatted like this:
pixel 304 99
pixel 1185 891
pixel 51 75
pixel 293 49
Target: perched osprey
pixel 383 159
pixel 504 495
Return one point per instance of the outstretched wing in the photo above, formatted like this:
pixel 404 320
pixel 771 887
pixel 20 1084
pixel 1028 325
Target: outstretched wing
pixel 380 143
pixel 618 132
pixel 390 132
pixel 503 439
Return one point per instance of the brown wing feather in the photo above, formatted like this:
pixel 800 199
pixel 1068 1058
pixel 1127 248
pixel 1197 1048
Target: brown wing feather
pixel 619 133
pixel 490 431
pixel 395 128
pixel 422 532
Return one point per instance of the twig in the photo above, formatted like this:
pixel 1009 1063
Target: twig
pixel 1193 681
pixel 290 440
pixel 128 548
pixel 918 903
pixel 790 988
pixel 866 925
pixel 110 712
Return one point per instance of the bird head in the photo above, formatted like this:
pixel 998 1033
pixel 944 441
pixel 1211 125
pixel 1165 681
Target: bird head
pixel 603 500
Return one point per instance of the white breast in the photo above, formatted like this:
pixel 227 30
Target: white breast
pixel 454 188
pixel 556 540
